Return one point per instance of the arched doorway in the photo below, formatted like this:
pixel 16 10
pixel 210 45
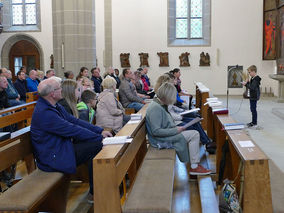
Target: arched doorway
pixel 23 53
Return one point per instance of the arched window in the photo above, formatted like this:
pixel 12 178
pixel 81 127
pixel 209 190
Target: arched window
pixel 24 15
pixel 189 23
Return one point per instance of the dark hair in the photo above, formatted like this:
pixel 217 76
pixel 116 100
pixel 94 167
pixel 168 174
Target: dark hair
pixel 68 73
pixel 139 69
pixel 124 72
pixel 19 72
pixel 1 71
pixel 116 70
pixel 48 71
pixel 175 70
pixel 23 67
pixel 88 95
pixel 93 69
pixel 81 71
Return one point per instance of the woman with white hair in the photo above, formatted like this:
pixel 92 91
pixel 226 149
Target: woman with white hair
pixel 164 134
pixel 110 112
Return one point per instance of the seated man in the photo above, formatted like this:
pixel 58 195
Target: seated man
pixel 12 93
pixel 53 131
pixel 32 83
pixel 97 79
pixel 3 94
pixel 21 85
pixel 127 92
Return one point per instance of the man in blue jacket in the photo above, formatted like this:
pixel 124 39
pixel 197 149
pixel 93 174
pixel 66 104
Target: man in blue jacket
pixel 60 141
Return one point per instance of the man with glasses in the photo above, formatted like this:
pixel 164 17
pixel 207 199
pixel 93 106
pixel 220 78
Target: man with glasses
pixel 54 132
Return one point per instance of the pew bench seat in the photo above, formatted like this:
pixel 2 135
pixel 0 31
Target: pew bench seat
pixel 152 190
pixel 30 193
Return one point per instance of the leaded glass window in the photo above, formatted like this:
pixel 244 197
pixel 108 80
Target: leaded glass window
pixel 189 19
pixel 24 12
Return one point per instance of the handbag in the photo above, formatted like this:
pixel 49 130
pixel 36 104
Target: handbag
pixel 246 93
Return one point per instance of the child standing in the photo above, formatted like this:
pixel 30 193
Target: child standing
pixel 254 93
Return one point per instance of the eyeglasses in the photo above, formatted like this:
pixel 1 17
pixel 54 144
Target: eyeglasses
pixel 57 88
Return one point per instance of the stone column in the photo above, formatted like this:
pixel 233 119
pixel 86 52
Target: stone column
pixel 74 38
pixel 108 34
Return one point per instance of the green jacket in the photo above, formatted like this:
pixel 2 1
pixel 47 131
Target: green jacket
pixel 85 113
pixel 163 132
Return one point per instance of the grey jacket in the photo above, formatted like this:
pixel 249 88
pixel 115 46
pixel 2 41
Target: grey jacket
pixel 127 93
pixel 162 130
pixel 109 111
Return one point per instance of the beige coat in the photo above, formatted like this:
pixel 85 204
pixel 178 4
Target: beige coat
pixel 109 112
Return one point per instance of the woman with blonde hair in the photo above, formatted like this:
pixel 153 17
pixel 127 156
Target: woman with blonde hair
pixel 110 112
pixel 164 134
pixel 70 95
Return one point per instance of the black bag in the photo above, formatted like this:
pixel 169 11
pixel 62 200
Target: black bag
pixel 246 93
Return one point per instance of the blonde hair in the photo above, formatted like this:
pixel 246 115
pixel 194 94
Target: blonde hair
pixel 108 83
pixel 167 93
pixel 162 79
pixel 68 93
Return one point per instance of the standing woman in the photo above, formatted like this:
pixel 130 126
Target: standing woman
pixel 70 95
pixel 164 134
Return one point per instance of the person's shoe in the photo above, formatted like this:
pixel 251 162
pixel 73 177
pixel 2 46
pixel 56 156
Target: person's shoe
pixel 199 170
pixel 90 198
pixel 250 124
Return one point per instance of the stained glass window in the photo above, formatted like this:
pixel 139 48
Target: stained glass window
pixel 24 12
pixel 189 19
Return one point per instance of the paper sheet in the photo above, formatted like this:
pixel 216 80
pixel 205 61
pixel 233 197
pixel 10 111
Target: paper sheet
pixel 246 144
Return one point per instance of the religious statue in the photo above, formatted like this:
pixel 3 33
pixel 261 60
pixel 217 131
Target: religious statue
pixel 164 59
pixel 183 60
pixel 204 59
pixel 144 59
pixel 51 61
pixel 124 59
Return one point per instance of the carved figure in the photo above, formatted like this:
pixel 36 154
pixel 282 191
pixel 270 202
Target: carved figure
pixel 124 59
pixel 164 59
pixel 183 60
pixel 51 61
pixel 204 59
pixel 144 59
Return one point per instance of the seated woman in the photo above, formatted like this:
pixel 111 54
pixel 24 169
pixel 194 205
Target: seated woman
pixel 70 95
pixel 110 112
pixel 182 120
pixel 163 132
pixel 87 105
pixel 139 85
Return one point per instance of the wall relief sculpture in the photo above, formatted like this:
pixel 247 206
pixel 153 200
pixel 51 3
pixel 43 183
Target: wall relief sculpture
pixel 183 60
pixel 204 59
pixel 124 59
pixel 144 59
pixel 164 59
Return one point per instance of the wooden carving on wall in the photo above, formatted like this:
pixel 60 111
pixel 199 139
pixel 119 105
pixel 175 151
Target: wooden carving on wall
pixel 144 59
pixel 183 60
pixel 124 59
pixel 204 59
pixel 164 59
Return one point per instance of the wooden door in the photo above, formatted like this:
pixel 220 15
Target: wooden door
pixel 23 53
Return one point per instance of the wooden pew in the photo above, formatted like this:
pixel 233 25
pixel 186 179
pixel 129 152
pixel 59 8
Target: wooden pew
pixel 113 162
pixel 202 93
pixel 38 191
pixel 256 183
pixel 31 96
pixel 20 115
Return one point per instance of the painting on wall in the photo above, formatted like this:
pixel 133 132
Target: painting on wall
pixel 124 59
pixel 269 35
pixel 280 33
pixel 235 76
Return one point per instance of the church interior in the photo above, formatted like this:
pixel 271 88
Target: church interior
pixel 213 42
